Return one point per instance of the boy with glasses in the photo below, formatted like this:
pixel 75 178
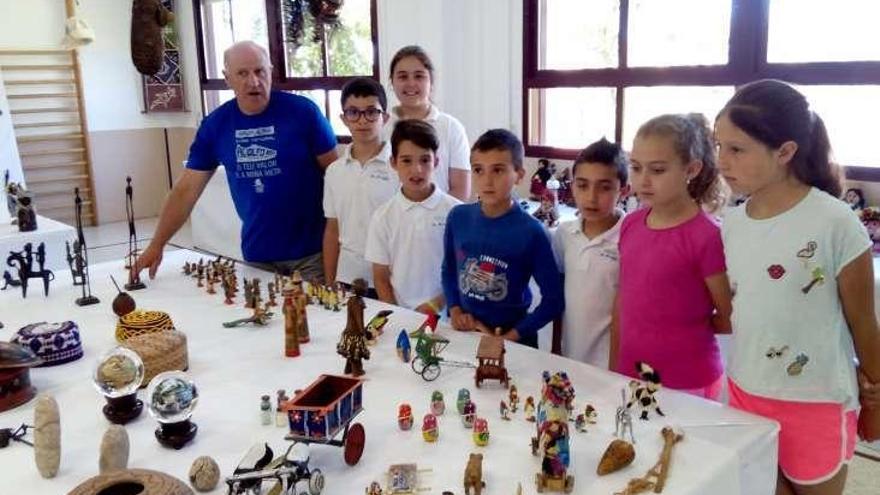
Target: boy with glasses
pixel 357 183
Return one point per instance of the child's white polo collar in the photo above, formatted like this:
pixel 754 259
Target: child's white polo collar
pixel 430 203
pixel 383 157
pixel 574 228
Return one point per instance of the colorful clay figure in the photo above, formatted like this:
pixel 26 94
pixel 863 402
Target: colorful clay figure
pixel 404 349
pixel 374 489
pixel 513 398
pixel 503 410
pixel 552 440
pixel 464 395
pixel 377 324
pixel 404 416
pixel 481 432
pixel 353 343
pixel 438 405
pixel 469 414
pixel 529 409
pixel 430 429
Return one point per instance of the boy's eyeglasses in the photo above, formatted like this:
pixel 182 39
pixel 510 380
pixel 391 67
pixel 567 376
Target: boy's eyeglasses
pixel 353 114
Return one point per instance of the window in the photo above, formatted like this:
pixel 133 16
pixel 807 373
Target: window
pixel 603 67
pixel 313 52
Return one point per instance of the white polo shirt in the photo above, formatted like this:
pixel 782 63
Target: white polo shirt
pixel 453 150
pixel 408 237
pixel 352 192
pixel 791 340
pixel 591 268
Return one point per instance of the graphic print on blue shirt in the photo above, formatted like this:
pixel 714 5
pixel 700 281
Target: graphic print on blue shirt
pixel 272 170
pixel 483 278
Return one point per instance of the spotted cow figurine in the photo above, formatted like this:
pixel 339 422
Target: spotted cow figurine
pixel 643 392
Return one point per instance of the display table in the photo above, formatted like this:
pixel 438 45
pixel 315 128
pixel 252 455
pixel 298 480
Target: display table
pixel 52 232
pixel 724 451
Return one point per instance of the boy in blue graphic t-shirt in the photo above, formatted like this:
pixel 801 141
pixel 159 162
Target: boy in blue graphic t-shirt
pixel 493 248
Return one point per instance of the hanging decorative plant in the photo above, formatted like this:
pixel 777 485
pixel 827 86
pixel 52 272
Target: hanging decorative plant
pixel 322 15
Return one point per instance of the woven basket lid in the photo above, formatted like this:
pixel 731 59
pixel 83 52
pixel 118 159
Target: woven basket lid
pixel 140 322
pixel 160 352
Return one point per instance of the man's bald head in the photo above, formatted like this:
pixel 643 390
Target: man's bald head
pixel 245 48
pixel 248 73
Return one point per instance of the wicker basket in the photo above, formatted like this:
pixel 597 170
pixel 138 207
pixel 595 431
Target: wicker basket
pixel 162 351
pixel 141 322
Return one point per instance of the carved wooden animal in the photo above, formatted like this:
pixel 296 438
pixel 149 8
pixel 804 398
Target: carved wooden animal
pixel 473 475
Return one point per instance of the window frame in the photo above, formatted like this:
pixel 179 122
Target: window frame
pixel 747 61
pixel 276 48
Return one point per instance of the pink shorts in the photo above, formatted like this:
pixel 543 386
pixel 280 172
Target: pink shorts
pixel 815 438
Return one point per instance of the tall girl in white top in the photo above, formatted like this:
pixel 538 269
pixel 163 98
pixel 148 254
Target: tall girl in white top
pixel 412 77
pixel 800 266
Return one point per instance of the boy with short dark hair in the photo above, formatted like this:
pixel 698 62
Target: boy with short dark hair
pixel 357 183
pixel 405 242
pixel 493 248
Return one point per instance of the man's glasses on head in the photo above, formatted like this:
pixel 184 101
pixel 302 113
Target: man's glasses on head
pixel 354 114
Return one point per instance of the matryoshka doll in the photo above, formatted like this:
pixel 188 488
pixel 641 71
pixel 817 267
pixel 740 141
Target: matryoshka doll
pixel 481 432
pixel 469 414
pixel 404 416
pixel 430 430
pixel 438 406
pixel 464 395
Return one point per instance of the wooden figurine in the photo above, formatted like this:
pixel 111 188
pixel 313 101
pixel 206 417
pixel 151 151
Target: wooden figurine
pixel 438 406
pixel 200 276
pixel 300 302
pixel 248 294
pixel 291 323
pixel 257 294
pixel 643 393
pixel 473 475
pixel 490 358
pixel 513 398
pixel 210 281
pixel 271 288
pixel 187 268
pixel 353 343
pixel 655 478
pixel 529 409
pixel 134 278
pixel 504 410
pixel 228 290
pixel 25 261
pixel 27 217
pixel 552 440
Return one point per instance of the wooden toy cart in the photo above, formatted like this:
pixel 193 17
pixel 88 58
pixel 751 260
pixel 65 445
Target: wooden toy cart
pixel 328 406
pixel 490 357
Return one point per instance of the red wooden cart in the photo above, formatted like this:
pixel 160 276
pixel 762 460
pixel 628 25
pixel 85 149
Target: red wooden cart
pixel 328 406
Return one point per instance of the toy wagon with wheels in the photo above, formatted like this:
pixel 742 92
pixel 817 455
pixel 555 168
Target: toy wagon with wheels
pixel 327 407
pixel 282 474
pixel 427 360
pixel 490 356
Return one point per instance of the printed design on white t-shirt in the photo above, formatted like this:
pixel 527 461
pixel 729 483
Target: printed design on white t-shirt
pixel 256 155
pixel 815 271
pixel 484 278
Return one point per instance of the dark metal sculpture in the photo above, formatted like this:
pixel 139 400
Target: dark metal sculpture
pixel 24 260
pixel 79 262
pixel 134 278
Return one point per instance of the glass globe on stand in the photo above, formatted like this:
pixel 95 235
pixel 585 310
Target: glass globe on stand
pixel 117 375
pixel 172 397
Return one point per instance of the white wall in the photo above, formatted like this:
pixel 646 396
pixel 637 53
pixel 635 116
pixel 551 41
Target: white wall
pixel 111 85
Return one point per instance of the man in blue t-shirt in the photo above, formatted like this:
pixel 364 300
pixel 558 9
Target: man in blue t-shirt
pixel 274 147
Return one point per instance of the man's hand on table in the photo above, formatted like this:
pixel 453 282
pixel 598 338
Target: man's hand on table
pixel 151 258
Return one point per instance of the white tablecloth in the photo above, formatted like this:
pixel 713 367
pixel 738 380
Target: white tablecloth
pixel 52 232
pixel 724 452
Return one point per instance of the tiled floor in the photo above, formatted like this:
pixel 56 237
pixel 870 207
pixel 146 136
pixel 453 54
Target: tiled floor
pixel 110 242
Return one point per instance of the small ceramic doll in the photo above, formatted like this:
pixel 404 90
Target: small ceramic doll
pixel 529 409
pixel 590 414
pixel 548 212
pixel 481 432
pixel 438 406
pixel 513 398
pixel 469 414
pixel 464 395
pixel 404 416
pixel 580 424
pixel 430 429
pixel 502 409
pixel 374 489
pixel 403 346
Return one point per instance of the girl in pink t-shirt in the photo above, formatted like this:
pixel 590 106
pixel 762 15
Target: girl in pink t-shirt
pixel 674 294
